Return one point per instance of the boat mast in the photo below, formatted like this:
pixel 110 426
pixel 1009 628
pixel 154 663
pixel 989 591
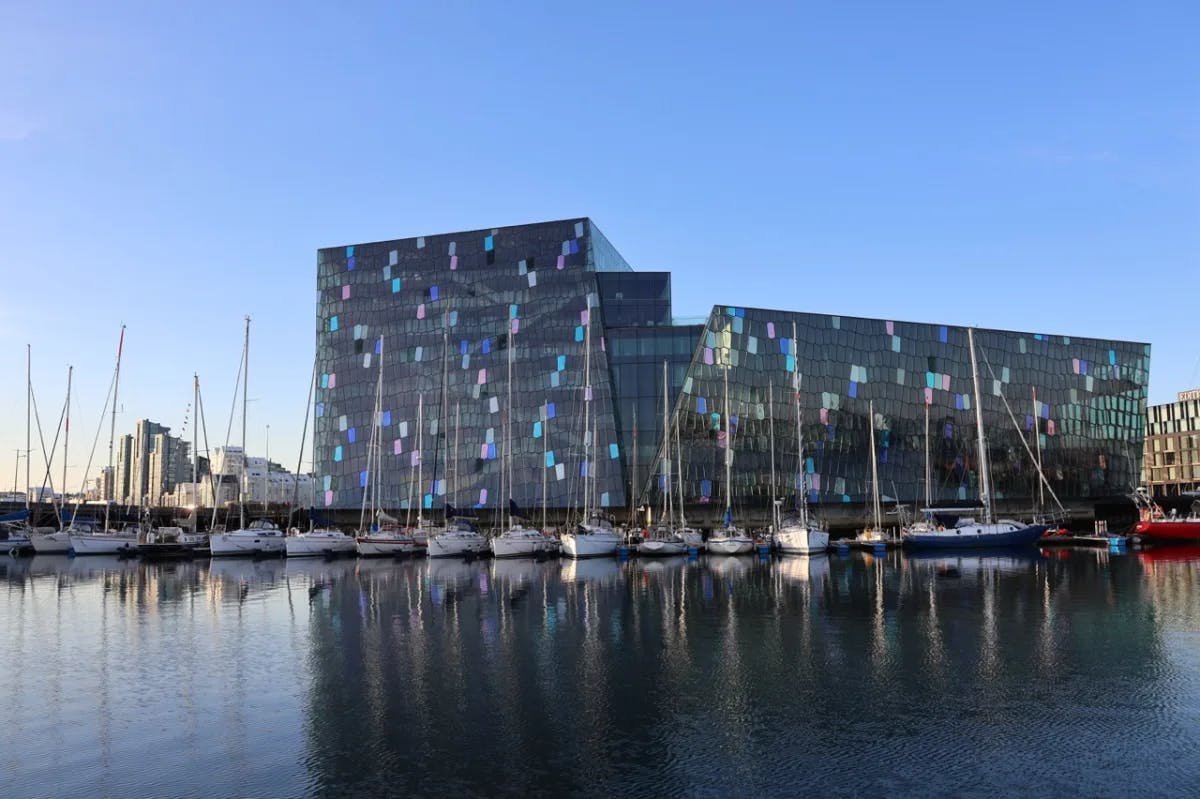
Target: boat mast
pixel 457 428
pixel 985 488
pixel 28 421
pixel 444 425
pixel 1037 438
pixel 508 422
pixel 801 475
pixel 312 385
pixel 679 482
pixel 728 455
pixel 633 481
pixel 928 487
pixel 771 427
pixel 545 466
pixel 112 429
pixel 587 403
pixel 420 459
pixel 376 476
pixel 372 487
pixel 245 385
pixel 195 452
pixel 66 436
pixel 874 469
pixel 668 515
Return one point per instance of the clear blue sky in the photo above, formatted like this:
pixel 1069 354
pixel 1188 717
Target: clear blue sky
pixel 175 167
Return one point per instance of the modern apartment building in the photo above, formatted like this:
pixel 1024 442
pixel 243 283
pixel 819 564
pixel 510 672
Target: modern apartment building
pixel 1172 457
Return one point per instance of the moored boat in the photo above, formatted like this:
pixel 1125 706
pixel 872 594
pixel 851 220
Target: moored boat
pixel 314 543
pixel 259 537
pixel 966 531
pixel 166 543
pixel 57 542
pixel 519 541
pixel 104 542
pixel 456 539
pixel 1155 524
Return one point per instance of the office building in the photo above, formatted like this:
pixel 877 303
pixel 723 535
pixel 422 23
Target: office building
pixel 1172 454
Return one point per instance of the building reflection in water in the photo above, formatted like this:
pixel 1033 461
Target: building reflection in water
pixel 673 676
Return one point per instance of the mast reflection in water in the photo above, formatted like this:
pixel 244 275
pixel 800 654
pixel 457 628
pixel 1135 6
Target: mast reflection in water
pixel 1076 675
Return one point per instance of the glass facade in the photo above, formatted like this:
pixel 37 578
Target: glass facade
pixel 440 309
pixel 437 311
pixel 1087 419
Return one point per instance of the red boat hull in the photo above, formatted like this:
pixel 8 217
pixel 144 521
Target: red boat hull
pixel 1181 530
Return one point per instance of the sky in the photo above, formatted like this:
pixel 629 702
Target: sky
pixel 174 167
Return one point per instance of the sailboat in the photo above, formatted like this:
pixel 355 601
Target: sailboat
pixel 16 526
pixel 730 539
pixel 58 542
pixel 593 536
pixel 516 540
pixel 799 534
pixel 379 535
pixel 261 536
pixel 323 541
pixel 966 531
pixel 665 539
pixel 874 533
pixel 107 541
pixel 457 536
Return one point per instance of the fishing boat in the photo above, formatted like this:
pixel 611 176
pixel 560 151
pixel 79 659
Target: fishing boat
pixel 261 536
pixel 730 539
pixel 1155 524
pixel 594 535
pixel 966 531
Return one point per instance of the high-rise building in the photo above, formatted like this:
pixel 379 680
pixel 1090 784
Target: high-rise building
pixel 436 318
pixel 1172 455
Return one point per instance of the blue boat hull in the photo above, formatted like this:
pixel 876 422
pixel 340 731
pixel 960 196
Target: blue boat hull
pixel 1022 536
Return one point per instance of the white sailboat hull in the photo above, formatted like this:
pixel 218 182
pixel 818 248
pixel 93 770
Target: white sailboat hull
pixel 657 548
pixel 57 543
pixel 523 544
pixel 374 547
pixel 590 545
pixel 246 542
pixel 102 544
pixel 456 545
pixel 319 543
pixel 801 541
pixel 738 545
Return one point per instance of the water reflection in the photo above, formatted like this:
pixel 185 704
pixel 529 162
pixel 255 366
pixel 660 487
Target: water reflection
pixel 663 677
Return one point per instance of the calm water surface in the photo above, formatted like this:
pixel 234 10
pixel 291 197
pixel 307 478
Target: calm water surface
pixel 1072 675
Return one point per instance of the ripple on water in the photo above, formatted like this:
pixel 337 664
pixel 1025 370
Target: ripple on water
pixel 848 677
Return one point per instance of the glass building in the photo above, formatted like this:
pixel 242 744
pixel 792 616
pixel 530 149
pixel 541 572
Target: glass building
pixel 535 353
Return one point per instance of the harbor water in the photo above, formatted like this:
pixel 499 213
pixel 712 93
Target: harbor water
pixel 1075 673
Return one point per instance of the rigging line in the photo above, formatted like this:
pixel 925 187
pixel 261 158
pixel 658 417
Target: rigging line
pixel 303 434
pixel 212 483
pixel 1024 443
pixel 87 469
pixel 47 479
pixel 229 432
